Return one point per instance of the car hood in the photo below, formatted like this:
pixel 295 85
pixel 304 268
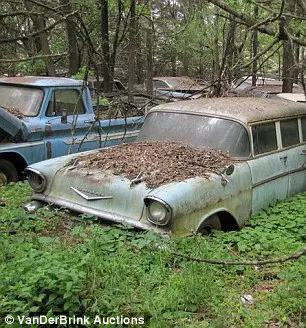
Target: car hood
pixel 99 190
pixel 12 125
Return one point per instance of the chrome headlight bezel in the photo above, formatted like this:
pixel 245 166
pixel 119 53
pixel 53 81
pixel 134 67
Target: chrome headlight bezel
pixel 36 179
pixel 158 212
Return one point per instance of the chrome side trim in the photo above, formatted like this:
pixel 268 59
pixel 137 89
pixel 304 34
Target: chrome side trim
pixel 111 136
pixel 20 145
pixel 101 214
pixel 278 176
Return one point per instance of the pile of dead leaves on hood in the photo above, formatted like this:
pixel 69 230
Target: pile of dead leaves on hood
pixel 155 162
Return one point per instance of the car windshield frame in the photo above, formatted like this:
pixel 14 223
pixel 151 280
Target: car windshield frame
pixel 200 132
pixel 27 100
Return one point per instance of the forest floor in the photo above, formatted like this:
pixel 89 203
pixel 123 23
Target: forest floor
pixel 53 262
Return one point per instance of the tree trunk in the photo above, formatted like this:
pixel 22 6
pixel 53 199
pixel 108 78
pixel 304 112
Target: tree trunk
pixel 106 72
pixel 131 64
pixel 149 51
pixel 287 67
pixel 216 57
pixel 45 47
pixel 254 49
pixel 72 40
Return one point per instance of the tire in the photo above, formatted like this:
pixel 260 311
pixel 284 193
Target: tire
pixel 8 172
pixel 211 223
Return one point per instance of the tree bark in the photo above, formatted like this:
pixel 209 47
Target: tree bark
pixel 73 55
pixel 106 72
pixel 254 49
pixel 287 67
pixel 149 46
pixel 131 63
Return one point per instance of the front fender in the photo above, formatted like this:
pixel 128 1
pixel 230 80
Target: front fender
pixel 193 200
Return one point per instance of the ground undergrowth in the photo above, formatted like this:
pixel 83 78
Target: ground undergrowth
pixel 53 263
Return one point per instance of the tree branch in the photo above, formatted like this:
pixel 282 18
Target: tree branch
pixel 274 42
pixel 20 13
pixel 32 58
pixel 291 257
pixel 50 27
pixel 250 22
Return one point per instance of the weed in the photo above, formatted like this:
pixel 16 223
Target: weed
pixel 52 263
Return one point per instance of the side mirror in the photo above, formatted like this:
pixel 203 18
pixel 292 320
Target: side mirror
pixel 229 170
pixel 64 116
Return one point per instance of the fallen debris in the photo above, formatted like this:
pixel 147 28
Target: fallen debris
pixel 156 162
pixel 16 112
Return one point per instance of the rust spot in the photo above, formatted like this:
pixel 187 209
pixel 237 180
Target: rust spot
pixel 48 130
pixel 49 150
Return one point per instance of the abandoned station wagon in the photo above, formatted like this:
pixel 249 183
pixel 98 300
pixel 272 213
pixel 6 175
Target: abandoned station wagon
pixel 265 139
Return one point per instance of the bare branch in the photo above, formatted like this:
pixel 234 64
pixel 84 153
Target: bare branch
pixel 20 13
pixel 294 256
pixel 250 22
pixel 32 58
pixel 274 42
pixel 50 27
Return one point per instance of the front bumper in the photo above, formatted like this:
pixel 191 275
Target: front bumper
pixel 83 209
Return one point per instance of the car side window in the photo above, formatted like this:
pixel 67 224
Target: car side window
pixel 264 138
pixel 69 100
pixel 160 85
pixel 289 132
pixel 303 121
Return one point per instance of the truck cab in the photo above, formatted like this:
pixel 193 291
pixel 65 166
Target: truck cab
pixel 47 117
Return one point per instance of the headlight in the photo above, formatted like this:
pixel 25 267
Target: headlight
pixel 36 180
pixel 158 212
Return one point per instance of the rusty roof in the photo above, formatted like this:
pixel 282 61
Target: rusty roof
pixel 244 109
pixel 41 81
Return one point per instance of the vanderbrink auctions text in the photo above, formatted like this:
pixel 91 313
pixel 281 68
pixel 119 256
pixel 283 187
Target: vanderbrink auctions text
pixel 74 320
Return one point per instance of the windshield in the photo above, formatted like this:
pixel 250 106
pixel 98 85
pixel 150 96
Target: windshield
pixel 26 100
pixel 198 131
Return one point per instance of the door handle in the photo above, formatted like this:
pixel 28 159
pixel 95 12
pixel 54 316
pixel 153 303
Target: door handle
pixel 90 121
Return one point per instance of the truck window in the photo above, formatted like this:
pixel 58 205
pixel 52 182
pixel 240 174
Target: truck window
pixel 289 132
pixel 264 138
pixel 69 100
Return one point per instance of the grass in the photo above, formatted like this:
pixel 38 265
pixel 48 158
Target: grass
pixel 54 263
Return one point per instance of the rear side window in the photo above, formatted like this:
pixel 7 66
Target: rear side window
pixel 264 138
pixel 303 120
pixel 289 132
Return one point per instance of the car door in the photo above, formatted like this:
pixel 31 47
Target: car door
pixel 293 135
pixel 269 169
pixel 72 134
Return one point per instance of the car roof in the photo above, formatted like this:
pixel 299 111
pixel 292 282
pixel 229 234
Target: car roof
pixel 244 109
pixel 298 97
pixel 181 81
pixel 41 81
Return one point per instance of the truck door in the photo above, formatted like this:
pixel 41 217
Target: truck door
pixel 67 123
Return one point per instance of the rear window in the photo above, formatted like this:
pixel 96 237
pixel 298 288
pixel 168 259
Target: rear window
pixel 289 132
pixel 264 138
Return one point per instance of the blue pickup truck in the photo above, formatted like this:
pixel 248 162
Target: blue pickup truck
pixel 47 117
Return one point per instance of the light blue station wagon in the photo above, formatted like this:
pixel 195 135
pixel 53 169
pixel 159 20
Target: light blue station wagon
pixel 264 137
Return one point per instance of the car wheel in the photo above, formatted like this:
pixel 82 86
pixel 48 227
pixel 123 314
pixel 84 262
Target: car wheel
pixel 8 172
pixel 211 223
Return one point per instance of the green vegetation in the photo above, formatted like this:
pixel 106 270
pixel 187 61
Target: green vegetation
pixel 55 263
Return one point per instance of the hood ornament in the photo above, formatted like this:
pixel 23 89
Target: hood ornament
pixel 89 198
